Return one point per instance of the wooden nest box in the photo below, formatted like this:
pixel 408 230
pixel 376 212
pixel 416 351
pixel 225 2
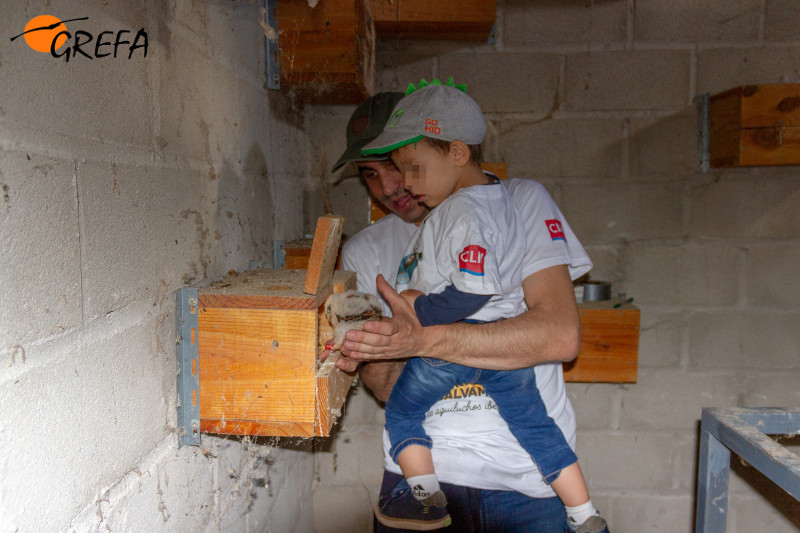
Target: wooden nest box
pixel 258 338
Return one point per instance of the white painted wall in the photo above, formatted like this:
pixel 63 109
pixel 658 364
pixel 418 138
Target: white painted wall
pixel 122 181
pixel 594 100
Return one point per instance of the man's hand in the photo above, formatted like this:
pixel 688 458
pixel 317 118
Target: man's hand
pixel 398 337
pixel 343 363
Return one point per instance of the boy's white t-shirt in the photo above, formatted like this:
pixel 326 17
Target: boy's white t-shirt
pixel 473 241
pixel 472 445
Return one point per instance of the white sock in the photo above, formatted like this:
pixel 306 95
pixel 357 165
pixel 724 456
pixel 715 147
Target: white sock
pixel 580 514
pixel 423 486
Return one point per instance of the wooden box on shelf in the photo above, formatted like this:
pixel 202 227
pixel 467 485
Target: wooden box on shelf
pixel 462 20
pixel 259 336
pixel 755 125
pixel 609 351
pixel 327 52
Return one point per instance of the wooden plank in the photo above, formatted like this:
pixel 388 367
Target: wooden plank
pixel 499 169
pixel 327 52
pixel 287 428
pixel 763 106
pixel 324 250
pixel 257 365
pixel 609 349
pixel 725 113
pixel 441 20
pixel 332 389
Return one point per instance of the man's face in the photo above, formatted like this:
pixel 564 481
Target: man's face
pixel 387 185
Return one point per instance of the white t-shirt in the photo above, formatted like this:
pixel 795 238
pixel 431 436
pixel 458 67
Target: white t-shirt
pixel 472 445
pixel 473 241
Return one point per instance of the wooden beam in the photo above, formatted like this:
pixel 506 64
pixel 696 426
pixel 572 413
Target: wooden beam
pixel 324 250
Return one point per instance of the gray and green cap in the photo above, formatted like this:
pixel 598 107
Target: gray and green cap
pixel 365 124
pixel 435 110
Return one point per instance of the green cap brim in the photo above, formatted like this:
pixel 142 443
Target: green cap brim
pixel 391 147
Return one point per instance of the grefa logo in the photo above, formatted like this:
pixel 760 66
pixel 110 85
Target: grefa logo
pixel 47 33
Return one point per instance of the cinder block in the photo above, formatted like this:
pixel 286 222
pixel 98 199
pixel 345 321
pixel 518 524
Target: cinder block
pixel 661 339
pixel 627 460
pixel 101 403
pixel 565 23
pixel 720 69
pixel 755 502
pixel 562 147
pixel 342 509
pixel 41 280
pixel 357 459
pixel 745 206
pixel 688 21
pixel 766 281
pixel 350 197
pixel 167 490
pixel 594 404
pixel 744 339
pixel 665 513
pixel 506 82
pixel 362 410
pixel 395 70
pixel 293 507
pixel 664 147
pixel 131 220
pixel 234 36
pixel 627 212
pixel 781 20
pixel 772 390
pixel 102 99
pixel 197 104
pixel 691 274
pixel 627 80
pixel 663 399
pixel 605 259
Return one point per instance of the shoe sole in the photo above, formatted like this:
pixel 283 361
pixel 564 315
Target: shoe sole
pixel 416 525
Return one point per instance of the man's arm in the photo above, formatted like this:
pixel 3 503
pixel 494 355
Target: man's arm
pixel 548 332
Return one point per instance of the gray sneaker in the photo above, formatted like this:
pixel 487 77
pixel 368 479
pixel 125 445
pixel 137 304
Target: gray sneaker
pixel 402 511
pixel 593 524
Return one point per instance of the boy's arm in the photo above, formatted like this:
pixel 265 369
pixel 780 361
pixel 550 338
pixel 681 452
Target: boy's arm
pixel 548 332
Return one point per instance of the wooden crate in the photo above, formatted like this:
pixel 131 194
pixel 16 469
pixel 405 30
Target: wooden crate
pixel 755 125
pixel 327 52
pixel 258 337
pixel 609 351
pixel 462 20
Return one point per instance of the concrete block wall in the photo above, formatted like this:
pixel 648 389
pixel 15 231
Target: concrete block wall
pixel 595 100
pixel 123 180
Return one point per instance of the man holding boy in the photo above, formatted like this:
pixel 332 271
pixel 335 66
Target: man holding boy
pixel 490 482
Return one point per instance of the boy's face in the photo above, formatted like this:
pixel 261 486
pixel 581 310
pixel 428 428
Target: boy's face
pixel 429 174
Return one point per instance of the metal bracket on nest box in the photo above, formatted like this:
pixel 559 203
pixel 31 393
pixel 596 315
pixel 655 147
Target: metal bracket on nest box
pixel 273 52
pixel 703 103
pixel 187 352
pixel 278 255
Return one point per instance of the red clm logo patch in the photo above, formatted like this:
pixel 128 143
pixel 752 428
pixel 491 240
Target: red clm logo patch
pixel 471 258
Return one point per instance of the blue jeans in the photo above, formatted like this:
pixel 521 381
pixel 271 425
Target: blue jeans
pixel 488 511
pixel 425 381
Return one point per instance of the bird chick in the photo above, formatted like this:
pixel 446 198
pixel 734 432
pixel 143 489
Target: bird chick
pixel 350 310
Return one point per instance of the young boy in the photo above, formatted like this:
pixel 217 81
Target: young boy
pixel 463 264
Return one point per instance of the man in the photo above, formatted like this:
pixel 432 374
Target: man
pixel 492 482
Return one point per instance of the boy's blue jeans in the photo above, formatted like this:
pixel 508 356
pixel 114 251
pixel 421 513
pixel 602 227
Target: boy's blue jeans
pixel 488 511
pixel 424 381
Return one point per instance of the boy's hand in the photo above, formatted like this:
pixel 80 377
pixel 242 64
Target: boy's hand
pixel 410 295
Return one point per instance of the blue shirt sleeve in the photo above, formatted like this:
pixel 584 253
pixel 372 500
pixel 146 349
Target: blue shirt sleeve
pixel 448 306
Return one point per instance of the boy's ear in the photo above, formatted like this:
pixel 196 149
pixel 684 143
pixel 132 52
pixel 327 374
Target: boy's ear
pixel 460 153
